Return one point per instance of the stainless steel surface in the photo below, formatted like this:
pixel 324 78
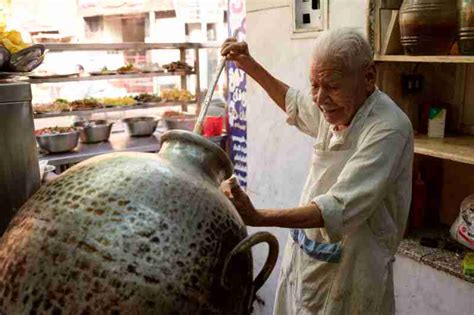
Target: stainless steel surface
pixel 112 109
pixel 197 67
pixel 207 99
pixel 110 76
pixel 140 126
pixel 7 75
pixel 19 169
pixel 92 131
pixel 118 142
pixel 210 91
pixel 187 123
pixel 57 143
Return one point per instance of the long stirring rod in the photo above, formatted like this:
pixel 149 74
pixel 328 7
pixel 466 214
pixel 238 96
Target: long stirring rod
pixel 210 92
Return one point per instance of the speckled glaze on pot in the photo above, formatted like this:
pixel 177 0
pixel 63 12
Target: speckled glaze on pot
pixel 133 233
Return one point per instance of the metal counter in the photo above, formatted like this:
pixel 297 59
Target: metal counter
pixel 118 142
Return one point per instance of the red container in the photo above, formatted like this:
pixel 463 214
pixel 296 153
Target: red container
pixel 213 126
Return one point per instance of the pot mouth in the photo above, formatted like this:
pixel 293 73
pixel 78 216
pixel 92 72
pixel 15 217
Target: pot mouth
pixel 139 119
pixel 92 123
pixel 186 118
pixel 190 137
pixel 60 134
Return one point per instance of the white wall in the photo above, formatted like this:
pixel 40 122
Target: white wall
pixel 46 15
pixel 278 155
pixel 112 32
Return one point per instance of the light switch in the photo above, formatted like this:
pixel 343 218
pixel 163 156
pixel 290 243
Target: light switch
pixel 308 14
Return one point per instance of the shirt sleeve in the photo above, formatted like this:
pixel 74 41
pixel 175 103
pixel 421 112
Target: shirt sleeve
pixel 362 184
pixel 301 111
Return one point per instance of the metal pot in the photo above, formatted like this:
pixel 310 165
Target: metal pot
pixel 134 233
pixel 180 123
pixel 60 142
pixel 466 27
pixel 428 27
pixel 92 131
pixel 140 126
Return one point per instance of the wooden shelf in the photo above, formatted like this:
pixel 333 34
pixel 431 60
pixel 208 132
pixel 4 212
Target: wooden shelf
pixel 435 59
pixel 459 149
pixel 111 109
pixel 109 77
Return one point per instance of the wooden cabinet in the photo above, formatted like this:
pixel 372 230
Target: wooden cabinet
pixel 447 79
pixel 446 164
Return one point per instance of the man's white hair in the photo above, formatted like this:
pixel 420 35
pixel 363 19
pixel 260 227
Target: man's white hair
pixel 344 46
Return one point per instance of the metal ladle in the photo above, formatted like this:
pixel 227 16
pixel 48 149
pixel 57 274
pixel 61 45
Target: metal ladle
pixel 210 91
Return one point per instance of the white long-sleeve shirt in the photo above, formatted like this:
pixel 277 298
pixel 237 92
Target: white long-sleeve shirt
pixel 378 173
pixel 360 178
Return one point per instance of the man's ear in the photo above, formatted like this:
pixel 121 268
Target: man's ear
pixel 370 76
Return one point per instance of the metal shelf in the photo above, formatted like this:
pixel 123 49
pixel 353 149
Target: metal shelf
pixel 459 149
pixel 109 77
pixel 60 47
pixel 112 109
pixel 433 59
pixel 118 142
pixel 128 46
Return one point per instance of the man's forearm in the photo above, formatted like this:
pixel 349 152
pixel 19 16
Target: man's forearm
pixel 274 87
pixel 301 217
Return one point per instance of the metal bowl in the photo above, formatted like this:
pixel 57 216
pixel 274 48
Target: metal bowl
pixel 92 131
pixel 140 126
pixel 182 123
pixel 59 142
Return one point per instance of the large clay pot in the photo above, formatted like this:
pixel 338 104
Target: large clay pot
pixel 133 233
pixel 466 27
pixel 428 27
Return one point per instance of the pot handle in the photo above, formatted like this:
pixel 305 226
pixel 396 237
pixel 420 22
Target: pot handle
pixel 245 245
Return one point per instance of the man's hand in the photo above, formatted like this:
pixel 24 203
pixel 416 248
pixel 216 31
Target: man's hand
pixel 241 201
pixel 300 217
pixel 237 52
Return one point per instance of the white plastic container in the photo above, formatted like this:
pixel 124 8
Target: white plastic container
pixel 436 122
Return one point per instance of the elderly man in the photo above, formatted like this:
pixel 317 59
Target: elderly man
pixel 355 203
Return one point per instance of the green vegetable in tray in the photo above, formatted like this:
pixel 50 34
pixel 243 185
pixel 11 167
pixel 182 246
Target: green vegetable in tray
pixel 148 98
pixel 61 100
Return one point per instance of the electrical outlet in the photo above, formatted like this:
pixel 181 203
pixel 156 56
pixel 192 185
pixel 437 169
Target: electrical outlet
pixel 412 83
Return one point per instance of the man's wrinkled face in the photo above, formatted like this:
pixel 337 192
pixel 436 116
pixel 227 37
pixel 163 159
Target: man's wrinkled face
pixel 337 92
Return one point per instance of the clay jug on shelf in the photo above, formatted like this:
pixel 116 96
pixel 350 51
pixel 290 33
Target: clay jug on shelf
pixel 428 27
pixel 134 233
pixel 466 27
